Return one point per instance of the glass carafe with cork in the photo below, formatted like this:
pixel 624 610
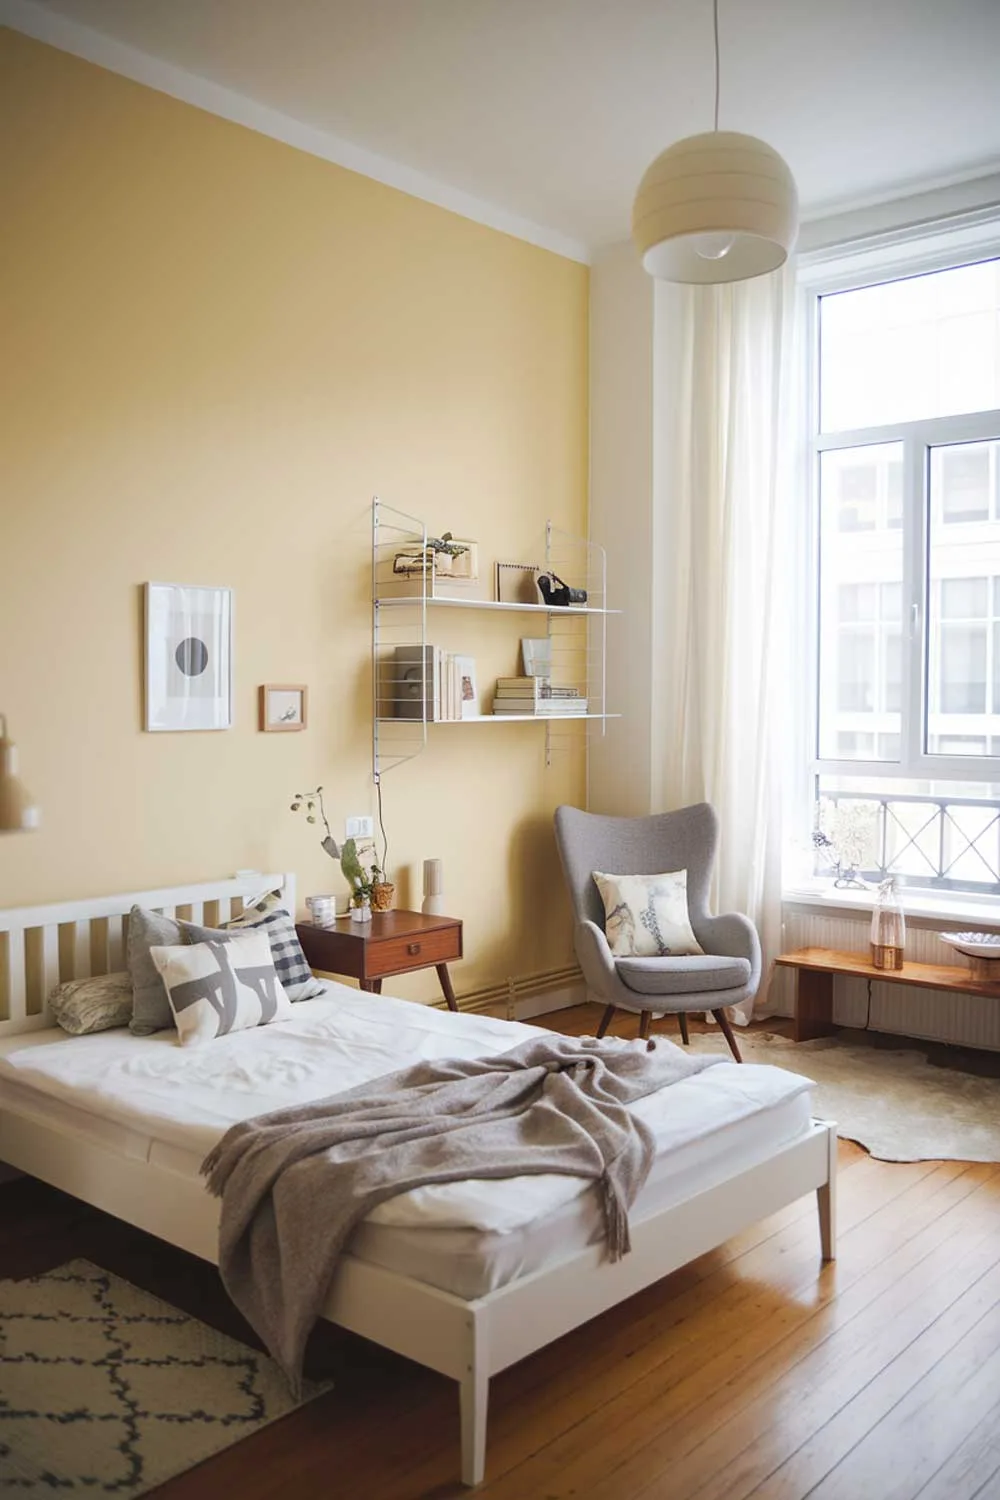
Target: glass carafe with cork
pixel 888 928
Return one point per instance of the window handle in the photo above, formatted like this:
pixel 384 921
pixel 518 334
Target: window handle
pixel 914 621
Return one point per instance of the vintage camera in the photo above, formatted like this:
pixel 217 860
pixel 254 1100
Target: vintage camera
pixel 555 592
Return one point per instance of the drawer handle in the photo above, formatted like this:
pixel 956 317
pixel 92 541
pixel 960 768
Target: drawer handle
pixel 413 947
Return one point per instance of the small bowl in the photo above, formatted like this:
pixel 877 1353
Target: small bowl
pixel 974 944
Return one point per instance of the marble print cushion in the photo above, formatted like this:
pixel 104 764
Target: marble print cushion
pixel 217 987
pixel 81 1006
pixel 646 916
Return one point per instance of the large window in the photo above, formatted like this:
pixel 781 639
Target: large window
pixel 908 569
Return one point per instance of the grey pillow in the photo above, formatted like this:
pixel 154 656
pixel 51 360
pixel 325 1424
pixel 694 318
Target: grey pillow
pixel 150 1006
pixel 82 1006
pixel 270 916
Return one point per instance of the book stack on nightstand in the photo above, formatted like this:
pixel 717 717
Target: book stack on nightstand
pixel 538 696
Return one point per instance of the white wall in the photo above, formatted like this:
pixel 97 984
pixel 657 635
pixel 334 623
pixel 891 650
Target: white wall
pixel 622 395
pixel 622 777
pixel 621 479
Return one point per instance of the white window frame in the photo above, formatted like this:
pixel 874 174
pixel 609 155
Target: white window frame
pixel 888 258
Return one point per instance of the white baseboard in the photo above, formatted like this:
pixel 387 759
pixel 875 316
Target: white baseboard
pixel 550 1000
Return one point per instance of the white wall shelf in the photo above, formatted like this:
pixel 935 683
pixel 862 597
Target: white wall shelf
pixel 438 602
pixel 577 633
pixel 512 719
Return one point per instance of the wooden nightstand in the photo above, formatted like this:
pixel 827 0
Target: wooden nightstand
pixel 393 942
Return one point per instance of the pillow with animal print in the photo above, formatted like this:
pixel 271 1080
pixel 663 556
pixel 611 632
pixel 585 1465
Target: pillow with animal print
pixel 286 950
pixel 646 916
pixel 218 987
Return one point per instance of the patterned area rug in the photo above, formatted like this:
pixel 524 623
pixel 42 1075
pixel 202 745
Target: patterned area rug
pixel 890 1100
pixel 105 1389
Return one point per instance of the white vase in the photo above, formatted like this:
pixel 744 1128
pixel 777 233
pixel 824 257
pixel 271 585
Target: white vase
pixel 362 913
pixel 888 939
pixel 433 902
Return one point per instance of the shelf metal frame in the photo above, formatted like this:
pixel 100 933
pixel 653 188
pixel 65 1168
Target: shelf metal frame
pixel 402 621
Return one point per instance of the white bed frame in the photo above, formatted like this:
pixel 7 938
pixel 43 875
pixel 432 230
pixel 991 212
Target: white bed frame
pixel 469 1341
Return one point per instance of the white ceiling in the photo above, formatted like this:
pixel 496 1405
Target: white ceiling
pixel 551 109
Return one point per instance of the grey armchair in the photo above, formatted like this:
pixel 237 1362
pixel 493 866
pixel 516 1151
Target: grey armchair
pixel 725 974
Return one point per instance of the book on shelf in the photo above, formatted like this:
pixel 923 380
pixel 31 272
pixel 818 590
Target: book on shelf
pixel 538 689
pixel 409 683
pixel 424 682
pixel 541 708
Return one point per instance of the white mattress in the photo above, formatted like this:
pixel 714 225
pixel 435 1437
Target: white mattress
pixel 152 1099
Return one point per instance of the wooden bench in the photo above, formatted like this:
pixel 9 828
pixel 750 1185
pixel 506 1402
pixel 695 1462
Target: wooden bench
pixel 816 968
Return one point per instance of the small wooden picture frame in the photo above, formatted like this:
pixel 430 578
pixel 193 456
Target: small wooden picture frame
pixel 283 707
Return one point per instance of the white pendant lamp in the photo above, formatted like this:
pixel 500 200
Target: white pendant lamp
pixel 18 810
pixel 721 206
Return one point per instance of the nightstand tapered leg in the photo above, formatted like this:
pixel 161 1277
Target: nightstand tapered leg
pixel 446 989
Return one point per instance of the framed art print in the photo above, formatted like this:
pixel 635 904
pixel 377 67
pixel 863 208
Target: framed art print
pixel 282 707
pixel 189 657
pixel 468 690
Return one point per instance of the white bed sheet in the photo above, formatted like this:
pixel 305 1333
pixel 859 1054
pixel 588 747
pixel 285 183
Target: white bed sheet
pixel 149 1098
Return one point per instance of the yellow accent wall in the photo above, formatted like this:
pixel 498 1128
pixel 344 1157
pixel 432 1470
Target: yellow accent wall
pixel 215 349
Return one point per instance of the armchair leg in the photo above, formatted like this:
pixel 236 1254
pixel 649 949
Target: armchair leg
pixel 682 1022
pixel 606 1020
pixel 727 1032
pixel 645 1020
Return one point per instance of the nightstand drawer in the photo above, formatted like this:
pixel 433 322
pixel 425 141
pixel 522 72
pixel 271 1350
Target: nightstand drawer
pixel 396 955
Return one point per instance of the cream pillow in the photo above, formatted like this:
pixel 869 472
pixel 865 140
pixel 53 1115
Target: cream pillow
pixel 218 987
pixel 646 916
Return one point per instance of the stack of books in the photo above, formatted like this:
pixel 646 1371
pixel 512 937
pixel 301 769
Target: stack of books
pixel 537 696
pixel 425 683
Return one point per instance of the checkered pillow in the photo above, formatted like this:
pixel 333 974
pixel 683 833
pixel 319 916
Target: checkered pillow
pixel 286 951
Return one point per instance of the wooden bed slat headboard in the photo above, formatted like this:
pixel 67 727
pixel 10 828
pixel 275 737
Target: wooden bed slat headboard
pixel 42 946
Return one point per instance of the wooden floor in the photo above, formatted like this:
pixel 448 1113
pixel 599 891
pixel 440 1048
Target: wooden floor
pixel 754 1371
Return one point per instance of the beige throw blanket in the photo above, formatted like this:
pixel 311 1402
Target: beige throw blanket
pixel 296 1182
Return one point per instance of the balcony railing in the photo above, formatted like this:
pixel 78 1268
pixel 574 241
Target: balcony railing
pixel 948 843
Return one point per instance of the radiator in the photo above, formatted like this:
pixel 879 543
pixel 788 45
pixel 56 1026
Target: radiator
pixel 899 1009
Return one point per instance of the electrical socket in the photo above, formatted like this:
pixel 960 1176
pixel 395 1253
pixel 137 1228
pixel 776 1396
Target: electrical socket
pixel 362 827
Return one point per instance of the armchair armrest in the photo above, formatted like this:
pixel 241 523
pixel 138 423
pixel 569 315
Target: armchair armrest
pixel 731 936
pixel 596 959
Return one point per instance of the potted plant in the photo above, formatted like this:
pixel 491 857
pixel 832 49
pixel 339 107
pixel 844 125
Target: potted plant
pixel 370 890
pixel 367 882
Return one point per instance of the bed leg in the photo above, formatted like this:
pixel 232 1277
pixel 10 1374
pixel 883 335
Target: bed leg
pixel 826 1202
pixel 473 1397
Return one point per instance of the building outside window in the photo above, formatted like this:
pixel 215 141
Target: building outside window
pixel 906 603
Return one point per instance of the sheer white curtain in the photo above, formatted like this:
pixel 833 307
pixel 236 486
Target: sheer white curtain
pixel 725 404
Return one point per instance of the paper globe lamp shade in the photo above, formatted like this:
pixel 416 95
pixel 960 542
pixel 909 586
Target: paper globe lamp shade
pixel 18 809
pixel 715 207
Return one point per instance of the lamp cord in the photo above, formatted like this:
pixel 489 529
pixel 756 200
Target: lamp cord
pixel 868 1017
pixel 715 18
pixel 381 824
